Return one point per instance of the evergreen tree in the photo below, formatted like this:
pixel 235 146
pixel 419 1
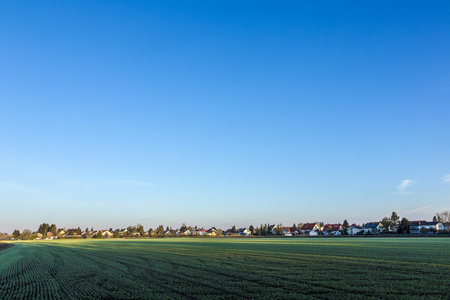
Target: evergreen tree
pixel 16 233
pixel 403 227
pixel 52 229
pixel 345 224
pixel 43 229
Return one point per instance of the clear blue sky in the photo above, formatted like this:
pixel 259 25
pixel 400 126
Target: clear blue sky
pixel 226 113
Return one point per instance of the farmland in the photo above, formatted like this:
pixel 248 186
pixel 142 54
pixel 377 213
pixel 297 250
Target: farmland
pixel 324 268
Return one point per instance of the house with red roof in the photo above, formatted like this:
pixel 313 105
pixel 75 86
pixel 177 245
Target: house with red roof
pixel 334 229
pixel 308 227
pixel 289 231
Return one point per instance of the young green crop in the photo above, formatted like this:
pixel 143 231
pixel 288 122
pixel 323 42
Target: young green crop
pixel 357 268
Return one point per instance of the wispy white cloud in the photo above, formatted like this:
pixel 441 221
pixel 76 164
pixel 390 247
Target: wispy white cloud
pixel 418 209
pixel 446 178
pixel 404 185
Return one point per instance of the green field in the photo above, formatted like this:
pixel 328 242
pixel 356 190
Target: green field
pixel 261 268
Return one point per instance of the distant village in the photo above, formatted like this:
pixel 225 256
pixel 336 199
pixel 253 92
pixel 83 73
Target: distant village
pixel 387 226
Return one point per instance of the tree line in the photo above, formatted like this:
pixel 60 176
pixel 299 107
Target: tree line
pixel 401 226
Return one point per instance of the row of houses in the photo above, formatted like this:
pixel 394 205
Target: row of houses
pixel 309 229
pixel 415 227
pixel 73 233
pixel 313 229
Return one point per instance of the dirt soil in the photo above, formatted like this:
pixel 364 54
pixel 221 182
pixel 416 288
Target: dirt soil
pixel 4 246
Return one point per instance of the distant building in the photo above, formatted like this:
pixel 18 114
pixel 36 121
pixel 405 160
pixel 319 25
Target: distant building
pixel 308 227
pixel 416 226
pixel 73 233
pixel 106 234
pixel 289 231
pixel 334 229
pixel 354 229
pixel 244 231
pixel 273 228
pixel 373 228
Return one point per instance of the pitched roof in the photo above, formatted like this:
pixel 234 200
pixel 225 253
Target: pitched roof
pixel 308 226
pixel 371 225
pixel 355 226
pixel 336 227
pixel 417 223
pixel 289 229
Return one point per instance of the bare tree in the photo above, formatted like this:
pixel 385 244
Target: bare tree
pixel 26 234
pixel 444 217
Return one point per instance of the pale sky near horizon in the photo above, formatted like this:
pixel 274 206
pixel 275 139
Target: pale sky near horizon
pixel 222 113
